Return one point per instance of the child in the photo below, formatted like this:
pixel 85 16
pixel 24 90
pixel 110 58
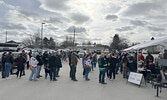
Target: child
pixel 87 68
pixel 33 66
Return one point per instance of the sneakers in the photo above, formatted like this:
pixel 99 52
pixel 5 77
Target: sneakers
pixel 104 83
pixel 75 80
pixel 58 76
pixel 8 78
pixel 87 79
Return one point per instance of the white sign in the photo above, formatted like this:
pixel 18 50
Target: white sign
pixel 135 78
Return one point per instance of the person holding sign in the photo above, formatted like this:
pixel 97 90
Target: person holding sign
pixel 33 67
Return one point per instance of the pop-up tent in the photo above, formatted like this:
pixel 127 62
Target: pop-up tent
pixel 161 41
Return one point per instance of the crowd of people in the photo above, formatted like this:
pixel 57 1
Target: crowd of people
pixel 109 64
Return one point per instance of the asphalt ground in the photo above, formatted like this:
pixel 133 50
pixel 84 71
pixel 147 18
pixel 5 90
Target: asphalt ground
pixel 65 89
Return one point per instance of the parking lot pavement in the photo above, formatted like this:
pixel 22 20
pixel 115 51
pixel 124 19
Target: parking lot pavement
pixel 65 89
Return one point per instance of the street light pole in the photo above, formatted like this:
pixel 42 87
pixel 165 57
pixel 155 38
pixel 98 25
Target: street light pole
pixel 42 36
pixel 6 36
pixel 74 40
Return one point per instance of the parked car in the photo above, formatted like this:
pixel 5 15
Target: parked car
pixel 81 54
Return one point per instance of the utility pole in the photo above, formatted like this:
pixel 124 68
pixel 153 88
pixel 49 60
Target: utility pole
pixel 6 36
pixel 74 40
pixel 42 36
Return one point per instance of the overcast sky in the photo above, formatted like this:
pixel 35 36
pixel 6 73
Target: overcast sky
pixel 95 20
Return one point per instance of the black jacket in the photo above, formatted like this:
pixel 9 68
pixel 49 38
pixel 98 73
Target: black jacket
pixel 45 58
pixel 52 61
pixel 39 59
pixel 58 62
pixel 3 60
pixel 132 65
pixel 104 62
pixel 113 61
pixel 9 59
pixel 20 61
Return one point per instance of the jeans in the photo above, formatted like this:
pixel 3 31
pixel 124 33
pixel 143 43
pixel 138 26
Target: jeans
pixel 102 76
pixel 57 71
pixel 33 73
pixel 27 64
pixel 125 72
pixel 94 64
pixel 121 67
pixel 3 71
pixel 112 72
pixel 83 71
pixel 70 71
pixel 8 67
pixel 53 73
pixel 87 70
pixel 73 72
pixel 46 70
pixel 19 70
pixel 38 70
pixel 116 69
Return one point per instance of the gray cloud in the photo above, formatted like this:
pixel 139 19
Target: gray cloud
pixel 156 28
pixel 111 17
pixel 11 26
pixel 77 29
pixel 158 34
pixel 29 13
pixel 53 20
pixel 125 28
pixel 51 27
pixel 54 5
pixel 138 23
pixel 140 9
pixel 79 18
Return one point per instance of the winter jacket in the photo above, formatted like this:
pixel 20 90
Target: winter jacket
pixel 52 61
pixel 73 60
pixel 113 62
pixel 58 62
pixel 20 61
pixel 45 58
pixel 9 59
pixel 39 59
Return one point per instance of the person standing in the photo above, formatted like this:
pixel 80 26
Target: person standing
pixel 8 64
pixel 102 68
pixel 124 63
pixel 58 64
pixel 113 64
pixel 45 62
pixel 149 59
pixel 83 65
pixel 33 67
pixel 88 68
pixel 165 54
pixel 69 59
pixel 29 55
pixel 94 60
pixel 132 64
pixel 25 57
pixel 20 61
pixel 3 64
pixel 73 66
pixel 52 67
pixel 39 59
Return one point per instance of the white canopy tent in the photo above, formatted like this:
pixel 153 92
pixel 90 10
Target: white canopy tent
pixel 161 41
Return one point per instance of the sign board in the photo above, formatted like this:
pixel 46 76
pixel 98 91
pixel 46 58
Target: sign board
pixel 135 78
